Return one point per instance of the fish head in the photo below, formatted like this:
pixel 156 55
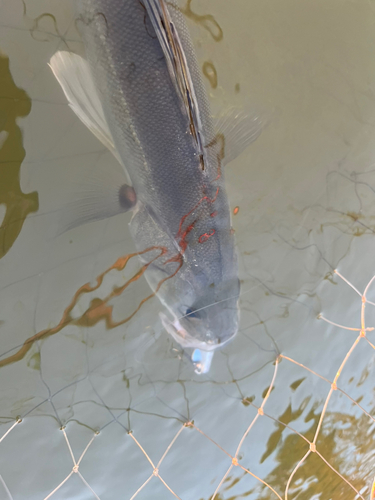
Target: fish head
pixel 206 322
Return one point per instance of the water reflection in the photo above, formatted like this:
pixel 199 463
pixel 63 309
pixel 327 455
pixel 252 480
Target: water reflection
pixel 14 103
pixel 340 433
pixel 207 21
pixel 99 309
pixel 210 73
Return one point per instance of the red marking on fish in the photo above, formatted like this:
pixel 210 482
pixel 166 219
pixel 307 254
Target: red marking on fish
pixel 204 237
pixel 210 200
pixel 182 235
pixel 182 244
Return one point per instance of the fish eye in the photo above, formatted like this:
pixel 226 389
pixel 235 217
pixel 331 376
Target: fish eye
pixel 191 313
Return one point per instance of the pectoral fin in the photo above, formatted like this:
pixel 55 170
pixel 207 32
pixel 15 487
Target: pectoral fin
pixel 100 196
pixel 74 75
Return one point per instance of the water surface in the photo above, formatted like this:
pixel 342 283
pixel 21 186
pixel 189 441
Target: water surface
pixel 86 369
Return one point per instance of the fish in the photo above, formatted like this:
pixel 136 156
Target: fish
pixel 140 90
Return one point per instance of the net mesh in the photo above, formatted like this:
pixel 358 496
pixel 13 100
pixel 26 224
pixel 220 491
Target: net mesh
pixel 156 469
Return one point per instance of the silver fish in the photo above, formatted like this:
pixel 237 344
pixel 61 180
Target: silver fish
pixel 141 93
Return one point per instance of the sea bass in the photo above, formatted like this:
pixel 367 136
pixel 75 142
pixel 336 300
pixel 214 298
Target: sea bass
pixel 140 91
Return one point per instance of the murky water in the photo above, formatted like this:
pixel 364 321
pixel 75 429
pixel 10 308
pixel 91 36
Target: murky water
pixel 287 410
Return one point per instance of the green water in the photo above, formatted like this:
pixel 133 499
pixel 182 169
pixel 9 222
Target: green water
pixel 83 350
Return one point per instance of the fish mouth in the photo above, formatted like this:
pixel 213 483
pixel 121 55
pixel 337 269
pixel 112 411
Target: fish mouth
pixel 203 351
pixel 180 334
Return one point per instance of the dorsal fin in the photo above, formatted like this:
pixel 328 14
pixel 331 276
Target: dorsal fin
pixel 171 45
